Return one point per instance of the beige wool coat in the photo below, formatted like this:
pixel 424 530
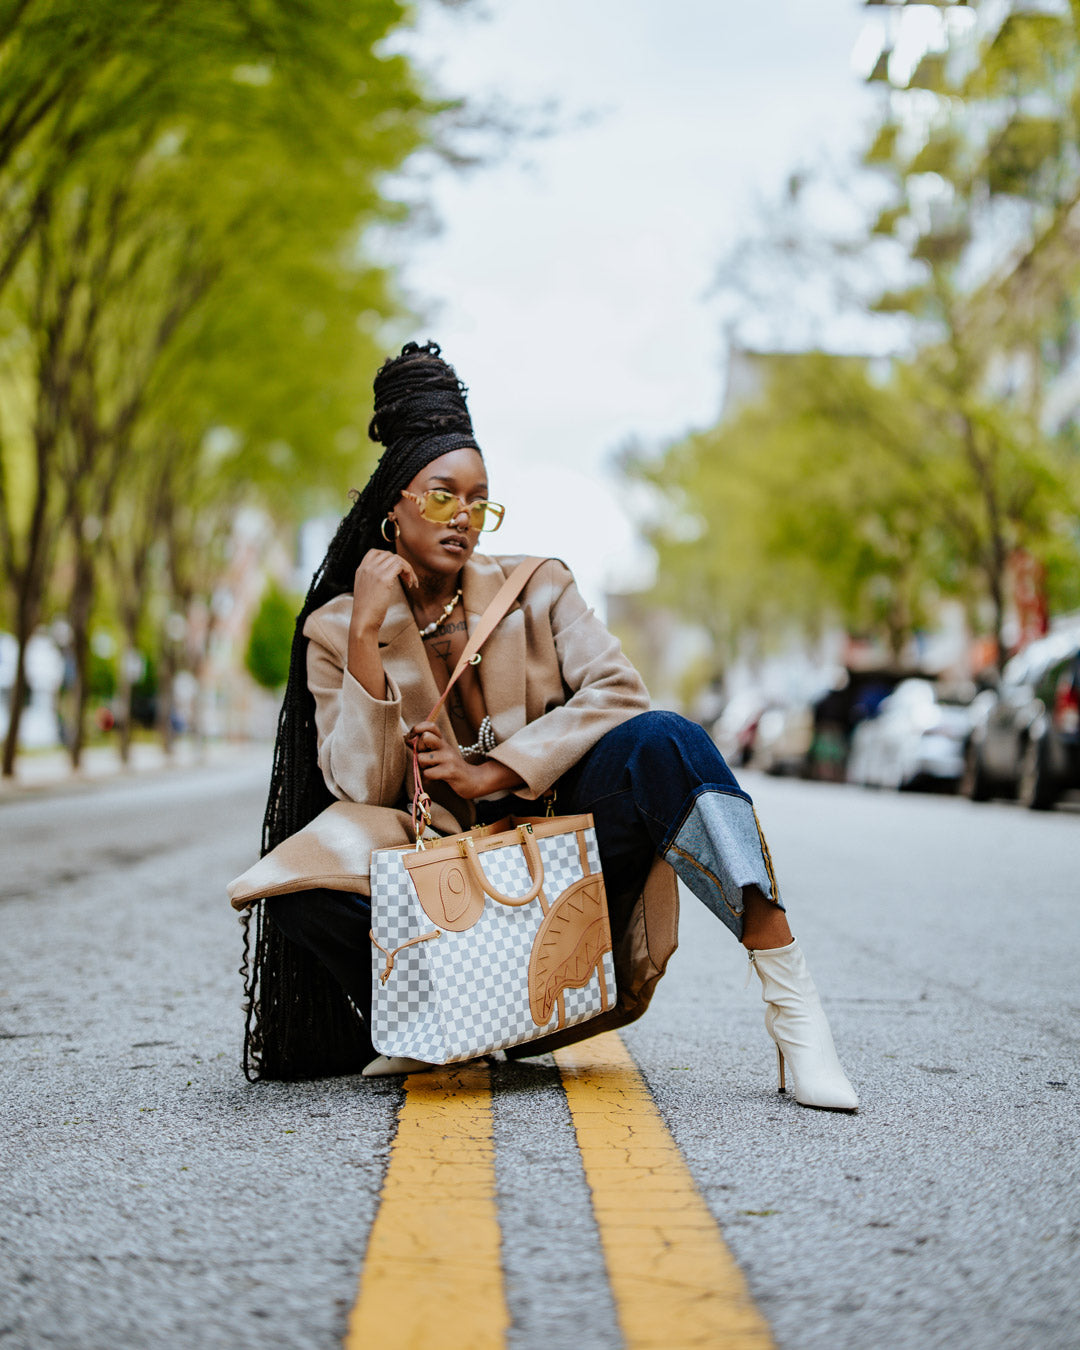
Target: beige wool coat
pixel 554 681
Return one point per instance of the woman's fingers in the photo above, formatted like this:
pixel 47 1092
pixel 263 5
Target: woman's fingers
pixel 397 567
pixel 406 571
pixel 448 767
pixel 438 763
pixel 425 735
pixel 438 760
pixel 375 585
pixel 379 567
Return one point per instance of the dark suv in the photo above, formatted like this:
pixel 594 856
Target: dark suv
pixel 1027 743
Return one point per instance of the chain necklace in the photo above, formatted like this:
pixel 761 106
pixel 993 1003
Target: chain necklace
pixel 449 609
pixel 485 739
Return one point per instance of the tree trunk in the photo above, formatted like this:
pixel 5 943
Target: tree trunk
pixel 130 607
pixel 50 397
pixel 18 698
pixel 995 576
pixel 996 554
pixel 31 587
pixel 82 599
pixel 123 698
pixel 167 672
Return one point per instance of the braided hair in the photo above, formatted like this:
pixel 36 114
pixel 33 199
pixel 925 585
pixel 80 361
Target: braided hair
pixel 298 1022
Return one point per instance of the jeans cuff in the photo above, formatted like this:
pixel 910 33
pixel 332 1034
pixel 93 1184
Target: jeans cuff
pixel 719 849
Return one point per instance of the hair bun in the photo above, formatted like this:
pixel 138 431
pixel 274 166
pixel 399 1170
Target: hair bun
pixel 418 394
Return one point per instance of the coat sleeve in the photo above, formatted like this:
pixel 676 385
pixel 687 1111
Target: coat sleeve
pixel 601 689
pixel 361 739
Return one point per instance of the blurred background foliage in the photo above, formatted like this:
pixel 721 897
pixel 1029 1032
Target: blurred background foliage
pixel 193 300
pixel 862 490
pixel 270 642
pixel 190 311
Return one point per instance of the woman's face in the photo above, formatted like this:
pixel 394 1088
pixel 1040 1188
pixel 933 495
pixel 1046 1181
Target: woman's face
pixel 441 549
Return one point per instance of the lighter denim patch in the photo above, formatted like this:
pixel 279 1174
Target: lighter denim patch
pixel 718 850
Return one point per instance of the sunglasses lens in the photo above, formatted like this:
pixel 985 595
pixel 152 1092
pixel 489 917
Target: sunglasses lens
pixel 442 507
pixel 439 507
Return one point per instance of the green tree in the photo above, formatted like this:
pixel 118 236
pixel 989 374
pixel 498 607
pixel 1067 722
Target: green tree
pixel 1003 129
pixel 787 513
pixel 185 193
pixel 865 494
pixel 270 643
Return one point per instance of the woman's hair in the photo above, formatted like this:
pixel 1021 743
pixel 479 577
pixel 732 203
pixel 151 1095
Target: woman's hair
pixel 299 1023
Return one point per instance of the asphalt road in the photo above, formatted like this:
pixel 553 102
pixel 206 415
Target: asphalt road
pixel 151 1197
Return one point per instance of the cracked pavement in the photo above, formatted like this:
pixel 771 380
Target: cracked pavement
pixel 151 1196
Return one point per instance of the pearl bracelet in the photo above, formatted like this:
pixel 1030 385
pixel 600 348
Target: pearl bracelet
pixel 484 744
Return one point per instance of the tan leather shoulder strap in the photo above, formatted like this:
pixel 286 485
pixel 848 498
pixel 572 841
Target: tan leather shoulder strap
pixel 504 597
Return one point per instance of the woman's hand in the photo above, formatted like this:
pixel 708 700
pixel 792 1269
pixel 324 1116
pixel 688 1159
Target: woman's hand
pixel 375 587
pixel 442 763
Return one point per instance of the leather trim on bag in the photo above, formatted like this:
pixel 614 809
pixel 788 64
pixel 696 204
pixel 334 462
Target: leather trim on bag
pixel 569 947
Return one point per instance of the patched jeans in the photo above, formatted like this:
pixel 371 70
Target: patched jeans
pixel 656 784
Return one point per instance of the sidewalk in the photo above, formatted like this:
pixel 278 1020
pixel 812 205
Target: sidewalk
pixel 51 772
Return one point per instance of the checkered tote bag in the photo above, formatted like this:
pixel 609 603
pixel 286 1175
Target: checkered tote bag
pixel 486 940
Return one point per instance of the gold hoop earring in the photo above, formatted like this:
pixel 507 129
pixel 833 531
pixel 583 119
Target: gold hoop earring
pixel 389 520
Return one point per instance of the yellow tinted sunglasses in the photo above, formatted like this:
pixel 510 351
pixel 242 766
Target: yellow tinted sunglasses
pixel 441 507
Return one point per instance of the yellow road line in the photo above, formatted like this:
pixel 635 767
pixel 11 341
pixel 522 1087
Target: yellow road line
pixel 432 1274
pixel 672 1277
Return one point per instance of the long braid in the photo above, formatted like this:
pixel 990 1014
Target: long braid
pixel 298 1021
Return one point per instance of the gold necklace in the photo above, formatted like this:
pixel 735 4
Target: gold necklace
pixel 447 611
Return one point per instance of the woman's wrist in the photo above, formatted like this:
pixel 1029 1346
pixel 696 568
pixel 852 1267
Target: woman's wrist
pixel 364 662
pixel 490 776
pixel 367 634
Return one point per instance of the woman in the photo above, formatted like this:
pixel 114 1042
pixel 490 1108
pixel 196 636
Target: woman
pixel 554 707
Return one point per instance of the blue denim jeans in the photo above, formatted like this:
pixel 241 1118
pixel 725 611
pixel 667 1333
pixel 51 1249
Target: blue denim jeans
pixel 656 784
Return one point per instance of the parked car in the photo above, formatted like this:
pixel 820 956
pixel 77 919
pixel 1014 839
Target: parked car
pixel 916 737
pixel 854 696
pixel 1027 742
pixel 784 738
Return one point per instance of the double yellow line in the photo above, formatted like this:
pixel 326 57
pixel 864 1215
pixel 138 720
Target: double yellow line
pixel 432 1275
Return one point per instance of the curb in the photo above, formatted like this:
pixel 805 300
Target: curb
pixel 54 777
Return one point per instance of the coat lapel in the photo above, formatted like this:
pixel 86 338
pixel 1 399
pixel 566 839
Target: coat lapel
pixel 503 657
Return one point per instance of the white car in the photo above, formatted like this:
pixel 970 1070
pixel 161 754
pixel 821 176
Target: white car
pixel 915 737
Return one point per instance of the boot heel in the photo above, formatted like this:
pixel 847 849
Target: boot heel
pixel 780 1083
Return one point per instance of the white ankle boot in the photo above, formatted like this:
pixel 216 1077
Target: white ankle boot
pixel 795 1019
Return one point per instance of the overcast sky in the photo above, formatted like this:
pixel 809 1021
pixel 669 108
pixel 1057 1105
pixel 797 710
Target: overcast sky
pixel 568 284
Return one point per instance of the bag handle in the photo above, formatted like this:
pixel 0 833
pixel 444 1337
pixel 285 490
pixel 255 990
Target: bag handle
pixel 492 616
pixel 532 858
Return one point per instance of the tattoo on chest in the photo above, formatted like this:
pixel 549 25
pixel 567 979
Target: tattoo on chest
pixel 442 641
